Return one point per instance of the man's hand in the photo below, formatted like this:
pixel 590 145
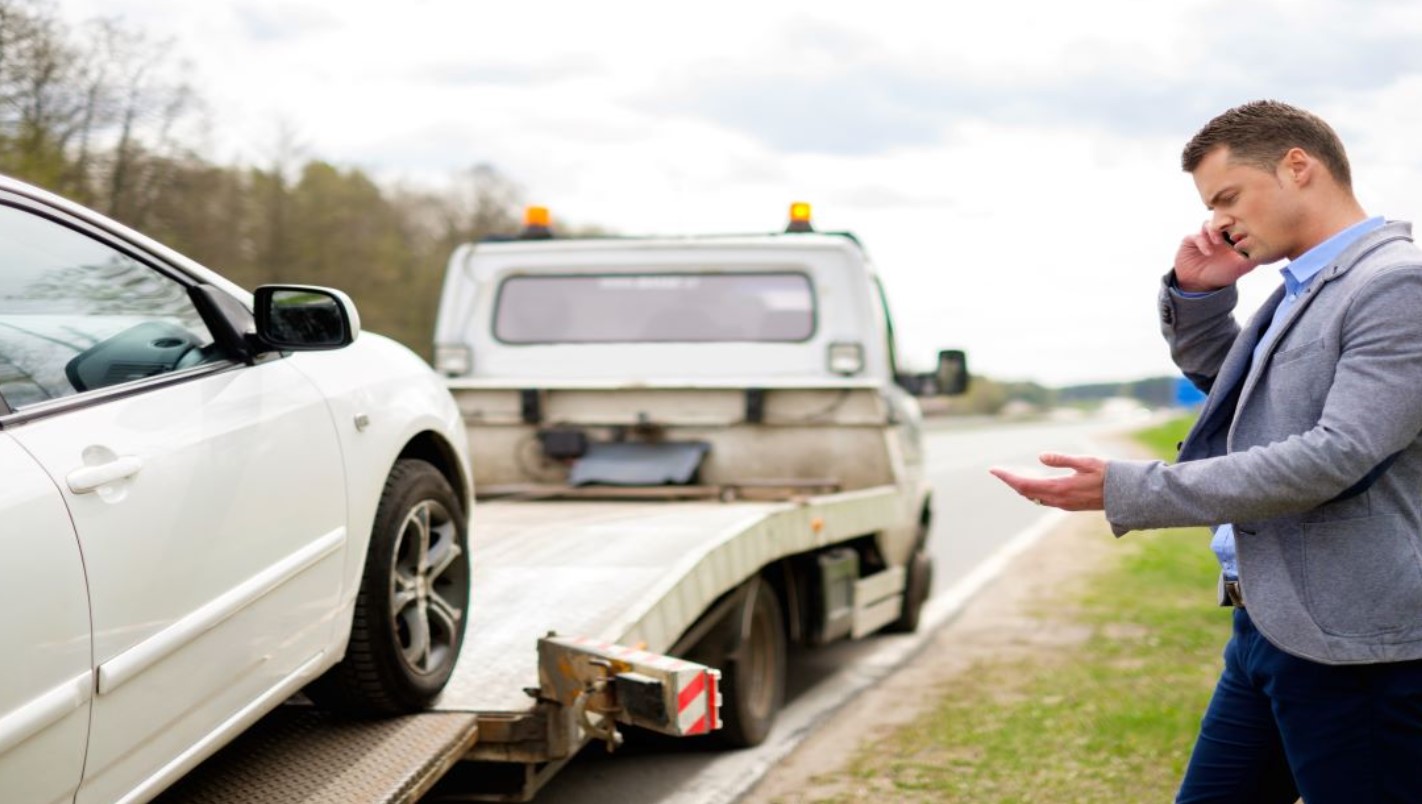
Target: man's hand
pixel 1205 262
pixel 1083 490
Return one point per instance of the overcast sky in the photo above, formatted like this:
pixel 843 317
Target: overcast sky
pixel 1012 167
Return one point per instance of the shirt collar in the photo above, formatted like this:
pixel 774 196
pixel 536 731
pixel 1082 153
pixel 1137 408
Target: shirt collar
pixel 1299 272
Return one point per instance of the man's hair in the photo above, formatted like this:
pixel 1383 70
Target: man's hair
pixel 1261 132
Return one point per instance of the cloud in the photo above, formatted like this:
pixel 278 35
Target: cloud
pixel 460 73
pixel 881 196
pixel 831 91
pixel 844 114
pixel 1012 170
pixel 283 21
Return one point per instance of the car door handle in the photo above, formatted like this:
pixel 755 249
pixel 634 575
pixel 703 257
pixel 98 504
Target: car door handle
pixel 89 478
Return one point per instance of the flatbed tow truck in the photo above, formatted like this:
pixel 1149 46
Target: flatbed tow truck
pixel 689 452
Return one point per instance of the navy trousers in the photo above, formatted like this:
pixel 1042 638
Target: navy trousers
pixel 1280 727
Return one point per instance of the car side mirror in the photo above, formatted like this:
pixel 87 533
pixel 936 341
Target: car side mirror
pixel 949 379
pixel 304 318
pixel 952 374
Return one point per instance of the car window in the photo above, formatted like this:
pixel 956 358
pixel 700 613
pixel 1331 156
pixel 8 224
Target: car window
pixel 629 308
pixel 76 314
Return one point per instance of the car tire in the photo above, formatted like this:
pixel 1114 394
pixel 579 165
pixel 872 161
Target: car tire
pixel 411 609
pixel 916 589
pixel 753 672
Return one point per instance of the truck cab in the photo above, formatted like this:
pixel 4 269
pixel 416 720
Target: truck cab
pixel 776 350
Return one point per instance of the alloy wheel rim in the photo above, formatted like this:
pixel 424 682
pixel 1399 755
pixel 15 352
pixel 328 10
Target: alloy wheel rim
pixel 428 589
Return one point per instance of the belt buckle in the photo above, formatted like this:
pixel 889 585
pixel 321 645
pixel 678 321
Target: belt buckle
pixel 1235 593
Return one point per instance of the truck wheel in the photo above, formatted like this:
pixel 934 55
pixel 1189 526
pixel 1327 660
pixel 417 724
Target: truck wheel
pixel 410 611
pixel 920 581
pixel 753 674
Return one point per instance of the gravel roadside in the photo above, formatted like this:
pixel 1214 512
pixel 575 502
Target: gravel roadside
pixel 1008 619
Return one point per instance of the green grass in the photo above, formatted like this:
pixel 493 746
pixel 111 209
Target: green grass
pixel 1162 439
pixel 1109 715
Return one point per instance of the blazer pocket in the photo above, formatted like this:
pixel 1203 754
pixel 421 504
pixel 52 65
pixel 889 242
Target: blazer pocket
pixel 1293 353
pixel 1362 577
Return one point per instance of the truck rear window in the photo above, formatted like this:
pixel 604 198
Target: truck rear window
pixel 622 308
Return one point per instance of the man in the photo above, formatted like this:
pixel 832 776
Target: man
pixel 1306 458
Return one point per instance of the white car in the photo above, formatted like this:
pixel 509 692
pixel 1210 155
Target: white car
pixel 209 500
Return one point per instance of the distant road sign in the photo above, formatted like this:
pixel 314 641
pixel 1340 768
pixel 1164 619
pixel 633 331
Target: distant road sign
pixel 1186 394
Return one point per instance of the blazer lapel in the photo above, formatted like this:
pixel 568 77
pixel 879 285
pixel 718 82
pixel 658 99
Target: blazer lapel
pixel 1220 405
pixel 1256 367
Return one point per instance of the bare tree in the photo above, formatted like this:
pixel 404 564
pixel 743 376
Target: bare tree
pixel 93 116
pixel 140 104
pixel 39 110
pixel 481 202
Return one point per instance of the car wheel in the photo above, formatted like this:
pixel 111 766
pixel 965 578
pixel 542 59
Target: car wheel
pixel 753 673
pixel 916 589
pixel 411 609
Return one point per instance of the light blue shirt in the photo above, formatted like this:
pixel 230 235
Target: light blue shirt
pixel 1298 274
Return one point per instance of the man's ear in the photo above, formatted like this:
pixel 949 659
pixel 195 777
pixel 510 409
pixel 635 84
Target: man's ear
pixel 1298 167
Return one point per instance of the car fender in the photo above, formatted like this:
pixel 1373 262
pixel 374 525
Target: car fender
pixel 382 397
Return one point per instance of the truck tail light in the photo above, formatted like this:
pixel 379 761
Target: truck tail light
pixel 632 686
pixel 453 360
pixel 846 358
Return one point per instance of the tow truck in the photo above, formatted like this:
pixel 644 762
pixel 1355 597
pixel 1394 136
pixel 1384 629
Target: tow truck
pixel 689 452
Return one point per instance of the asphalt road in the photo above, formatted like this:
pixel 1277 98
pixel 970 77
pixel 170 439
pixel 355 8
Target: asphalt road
pixel 978 522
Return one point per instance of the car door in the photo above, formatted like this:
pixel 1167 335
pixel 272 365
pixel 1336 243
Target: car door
pixel 207 494
pixel 46 676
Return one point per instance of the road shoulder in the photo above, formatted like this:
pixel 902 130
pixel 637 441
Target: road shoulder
pixel 1007 620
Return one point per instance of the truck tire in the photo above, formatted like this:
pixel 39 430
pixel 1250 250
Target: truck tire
pixel 916 589
pixel 410 611
pixel 753 673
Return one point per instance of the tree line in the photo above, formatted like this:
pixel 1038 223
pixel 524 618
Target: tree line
pixel 99 113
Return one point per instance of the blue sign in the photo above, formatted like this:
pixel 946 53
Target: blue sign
pixel 1187 395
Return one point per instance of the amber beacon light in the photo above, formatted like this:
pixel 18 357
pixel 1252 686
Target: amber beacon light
pixel 799 218
pixel 537 224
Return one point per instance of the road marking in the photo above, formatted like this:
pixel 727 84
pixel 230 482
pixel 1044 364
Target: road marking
pixel 941 607
pixel 732 775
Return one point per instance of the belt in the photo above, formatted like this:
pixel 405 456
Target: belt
pixel 1234 594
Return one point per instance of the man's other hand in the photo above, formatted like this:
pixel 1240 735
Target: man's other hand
pixel 1082 490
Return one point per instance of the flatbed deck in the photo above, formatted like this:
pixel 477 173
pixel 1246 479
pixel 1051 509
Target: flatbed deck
pixel 635 573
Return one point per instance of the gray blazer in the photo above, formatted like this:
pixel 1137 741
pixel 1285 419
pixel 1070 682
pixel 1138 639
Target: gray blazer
pixel 1313 452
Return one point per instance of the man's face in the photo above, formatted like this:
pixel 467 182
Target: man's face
pixel 1260 210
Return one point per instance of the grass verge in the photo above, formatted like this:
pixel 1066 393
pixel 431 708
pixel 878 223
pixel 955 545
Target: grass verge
pixel 1110 716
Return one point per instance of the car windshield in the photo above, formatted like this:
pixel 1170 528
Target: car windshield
pixel 662 307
